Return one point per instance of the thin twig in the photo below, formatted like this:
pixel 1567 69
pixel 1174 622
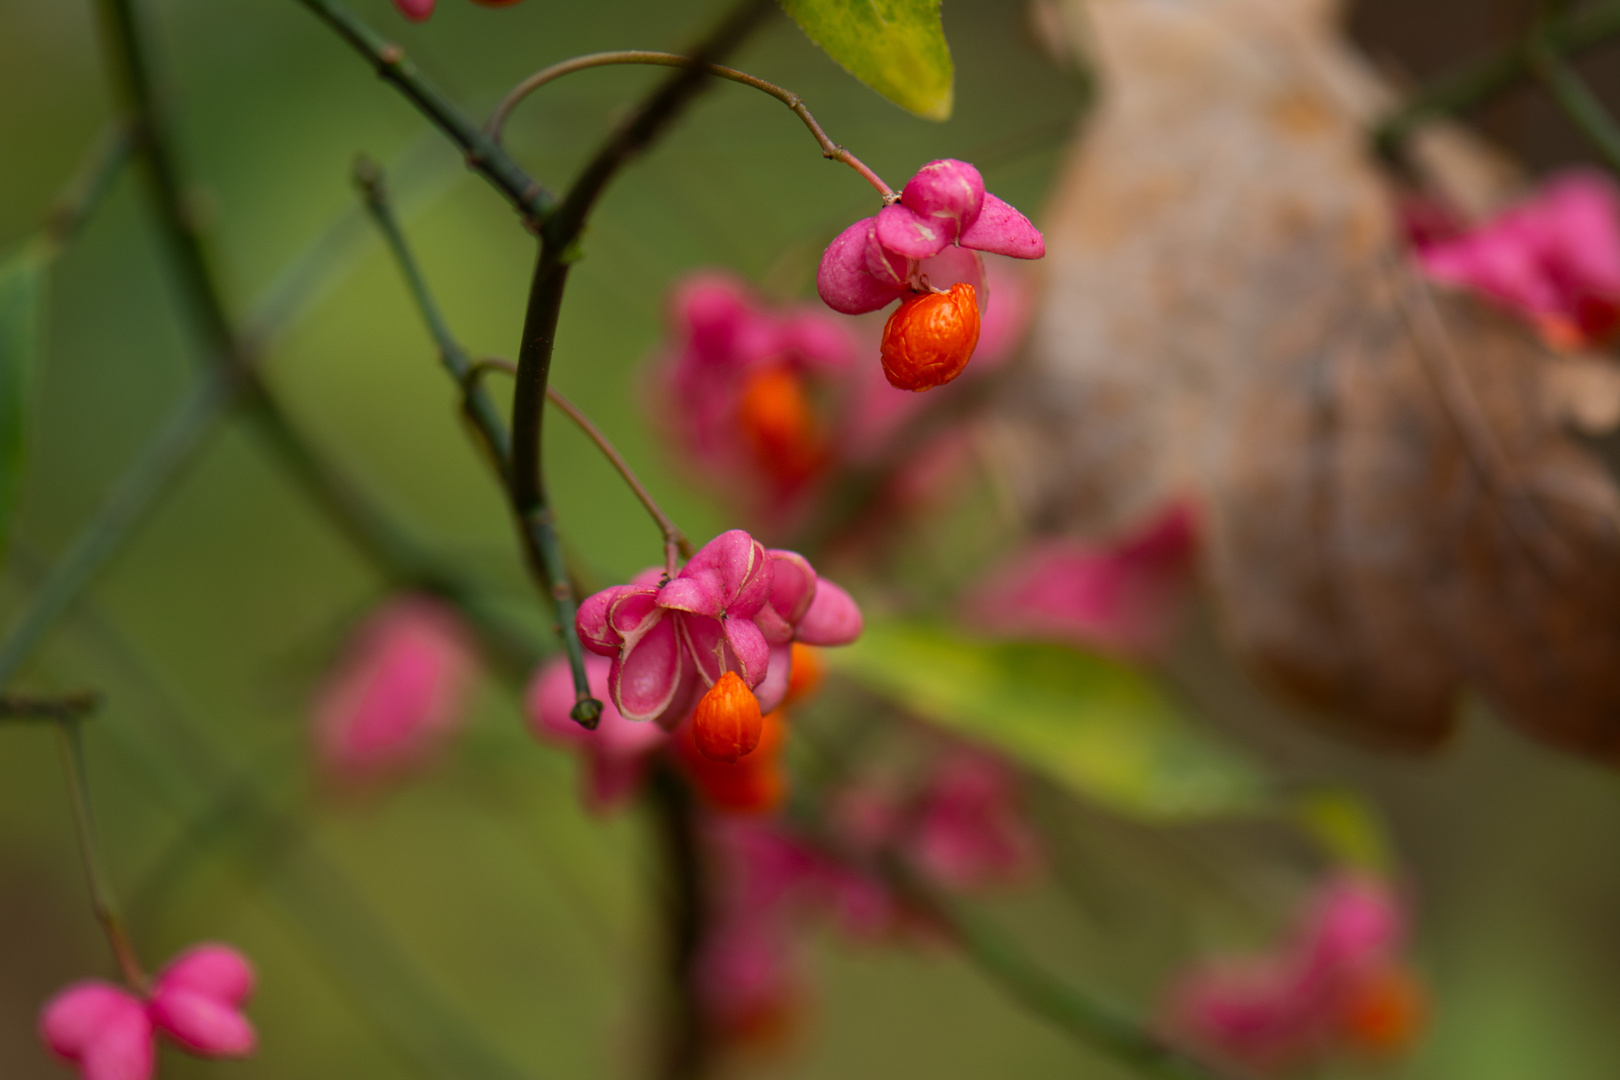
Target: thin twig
pixel 59 707
pixel 829 149
pixel 1573 33
pixel 484 154
pixel 83 194
pixel 1578 102
pixel 675 543
pixel 102 900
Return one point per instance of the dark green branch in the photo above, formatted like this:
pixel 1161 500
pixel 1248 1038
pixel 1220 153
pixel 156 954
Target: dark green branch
pixel 684 1043
pixel 485 418
pixel 558 248
pixel 90 185
pixel 1465 86
pixel 484 154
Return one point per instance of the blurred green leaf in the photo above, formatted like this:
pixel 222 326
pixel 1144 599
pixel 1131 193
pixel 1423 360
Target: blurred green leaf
pixel 22 302
pixel 1099 727
pixel 897 47
pixel 1347 828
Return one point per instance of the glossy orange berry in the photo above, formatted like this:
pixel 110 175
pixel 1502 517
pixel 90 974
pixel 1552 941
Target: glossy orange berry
pixel 727 723
pixel 778 422
pixel 930 338
pixel 756 784
pixel 805 675
pixel 1384 1011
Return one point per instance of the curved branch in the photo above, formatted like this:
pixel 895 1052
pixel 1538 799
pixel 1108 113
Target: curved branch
pixel 830 150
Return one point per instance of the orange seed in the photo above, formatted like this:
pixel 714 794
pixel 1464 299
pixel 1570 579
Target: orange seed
pixel 930 338
pixel 727 723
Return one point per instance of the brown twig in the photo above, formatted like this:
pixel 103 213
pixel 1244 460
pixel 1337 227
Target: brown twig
pixel 830 150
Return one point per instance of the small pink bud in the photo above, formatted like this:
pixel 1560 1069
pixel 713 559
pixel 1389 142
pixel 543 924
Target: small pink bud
pixel 100 1028
pixel 195 1001
pixel 415 10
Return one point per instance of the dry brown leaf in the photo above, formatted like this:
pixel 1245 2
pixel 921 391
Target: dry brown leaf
pixel 1392 511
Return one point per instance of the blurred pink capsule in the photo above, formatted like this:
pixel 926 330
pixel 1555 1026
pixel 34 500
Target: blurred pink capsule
pixel 399 692
pixel 102 1029
pixel 1309 997
pixel 109 1032
pixel 616 754
pixel 197 1001
pixel 1554 259
pixel 1127 598
pixel 415 10
pixel 969 830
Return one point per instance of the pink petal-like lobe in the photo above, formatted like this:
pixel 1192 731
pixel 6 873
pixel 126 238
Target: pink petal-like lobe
pixel 204 1025
pixel 1001 230
pixel 415 10
pixel 906 232
pixel 216 970
pixel 833 617
pixel 843 281
pixel 948 191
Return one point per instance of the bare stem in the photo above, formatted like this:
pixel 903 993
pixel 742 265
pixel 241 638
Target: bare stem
pixel 484 154
pixel 60 707
pixel 83 194
pixel 685 1040
pixel 676 546
pixel 102 900
pixel 1567 33
pixel 829 149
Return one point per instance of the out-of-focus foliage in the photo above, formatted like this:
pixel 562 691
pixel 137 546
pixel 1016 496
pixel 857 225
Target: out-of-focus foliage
pixel 1096 725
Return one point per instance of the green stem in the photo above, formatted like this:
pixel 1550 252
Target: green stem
pixel 1473 82
pixel 156 467
pixel 102 900
pixel 60 707
pixel 1578 102
pixel 106 159
pixel 484 154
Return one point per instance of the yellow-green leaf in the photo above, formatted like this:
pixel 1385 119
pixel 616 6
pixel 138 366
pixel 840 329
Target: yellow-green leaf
pixel 1347 827
pixel 897 47
pixel 1097 726
pixel 22 301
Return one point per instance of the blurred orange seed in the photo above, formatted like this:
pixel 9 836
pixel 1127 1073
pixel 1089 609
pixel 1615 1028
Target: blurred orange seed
pixel 777 421
pixel 930 338
pixel 1385 1011
pixel 727 723
pixel 805 675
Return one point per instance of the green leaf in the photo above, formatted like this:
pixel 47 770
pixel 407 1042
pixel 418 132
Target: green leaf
pixel 897 47
pixel 1099 727
pixel 1347 827
pixel 22 302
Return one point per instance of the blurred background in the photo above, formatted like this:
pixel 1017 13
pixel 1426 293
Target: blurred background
pixel 481 900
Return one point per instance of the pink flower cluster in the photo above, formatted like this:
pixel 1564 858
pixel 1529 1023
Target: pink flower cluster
pixel 1554 258
pixel 930 239
pixel 110 1034
pixel 1126 598
pixel 735 606
pixel 1337 984
pixel 399 692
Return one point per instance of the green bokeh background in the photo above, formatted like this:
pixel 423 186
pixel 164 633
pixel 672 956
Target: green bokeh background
pixel 529 922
